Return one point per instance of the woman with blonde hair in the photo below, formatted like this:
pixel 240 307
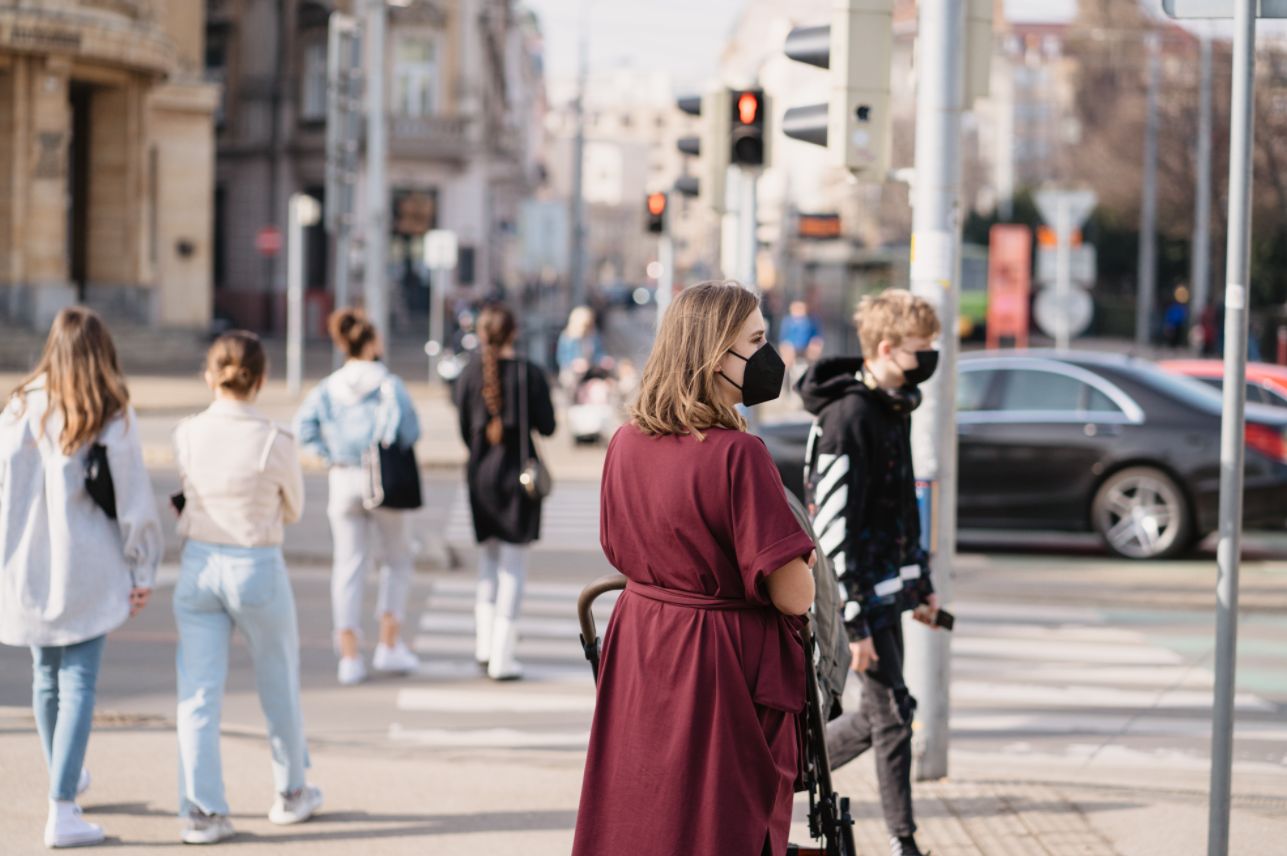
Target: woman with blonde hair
pixel 702 671
pixel 501 399
pixel 79 553
pixel 358 405
pixel 241 485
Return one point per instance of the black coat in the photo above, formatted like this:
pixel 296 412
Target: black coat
pixel 500 507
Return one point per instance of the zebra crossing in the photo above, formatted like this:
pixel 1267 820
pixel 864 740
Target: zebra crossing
pixel 569 518
pixel 1044 684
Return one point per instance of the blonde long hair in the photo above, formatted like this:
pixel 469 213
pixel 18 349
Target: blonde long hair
pixel 680 391
pixel 83 379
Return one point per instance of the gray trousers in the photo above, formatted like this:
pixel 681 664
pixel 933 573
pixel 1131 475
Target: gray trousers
pixel 876 723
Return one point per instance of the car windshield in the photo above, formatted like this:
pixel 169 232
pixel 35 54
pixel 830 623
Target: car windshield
pixel 1192 392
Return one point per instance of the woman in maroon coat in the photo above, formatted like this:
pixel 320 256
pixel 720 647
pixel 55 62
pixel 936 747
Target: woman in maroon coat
pixel 693 749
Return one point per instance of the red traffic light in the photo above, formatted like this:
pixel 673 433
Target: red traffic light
pixel 656 204
pixel 748 108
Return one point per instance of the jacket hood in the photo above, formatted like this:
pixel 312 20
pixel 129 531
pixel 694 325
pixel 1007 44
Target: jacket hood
pixel 829 380
pixel 356 380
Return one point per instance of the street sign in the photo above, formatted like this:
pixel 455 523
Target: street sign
pixel 1064 313
pixel 1082 264
pixel 1080 203
pixel 268 241
pixel 440 250
pixel 1221 8
pixel 818 226
pixel 1009 283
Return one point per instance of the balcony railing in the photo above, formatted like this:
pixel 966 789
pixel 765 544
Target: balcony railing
pixel 429 137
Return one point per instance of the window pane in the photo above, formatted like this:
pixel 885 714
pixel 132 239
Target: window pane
pixel 1255 395
pixel 1098 402
pixel 1041 391
pixel 971 387
pixel 313 82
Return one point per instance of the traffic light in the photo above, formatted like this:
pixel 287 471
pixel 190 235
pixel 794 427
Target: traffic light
pixel 708 147
pixel 655 213
pixel 746 130
pixel 854 124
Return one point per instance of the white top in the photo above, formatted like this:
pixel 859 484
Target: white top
pixel 241 476
pixel 66 568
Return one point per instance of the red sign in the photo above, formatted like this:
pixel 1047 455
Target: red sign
pixel 1009 284
pixel 269 241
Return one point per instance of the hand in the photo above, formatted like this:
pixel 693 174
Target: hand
pixel 138 600
pixel 927 611
pixel 864 655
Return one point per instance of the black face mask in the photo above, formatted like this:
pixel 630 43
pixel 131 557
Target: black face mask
pixel 762 380
pixel 926 363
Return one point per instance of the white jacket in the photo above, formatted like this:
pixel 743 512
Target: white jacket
pixel 241 476
pixel 66 568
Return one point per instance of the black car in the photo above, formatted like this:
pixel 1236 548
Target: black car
pixel 1085 441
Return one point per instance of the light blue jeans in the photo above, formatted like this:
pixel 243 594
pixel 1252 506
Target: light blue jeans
pixel 63 681
pixel 222 587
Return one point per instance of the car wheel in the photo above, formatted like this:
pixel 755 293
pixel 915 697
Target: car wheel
pixel 1141 513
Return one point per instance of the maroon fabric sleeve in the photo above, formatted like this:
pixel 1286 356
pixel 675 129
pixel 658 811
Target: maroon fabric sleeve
pixel 765 533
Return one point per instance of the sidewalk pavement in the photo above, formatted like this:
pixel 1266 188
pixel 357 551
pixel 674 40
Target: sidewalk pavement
pixel 391 801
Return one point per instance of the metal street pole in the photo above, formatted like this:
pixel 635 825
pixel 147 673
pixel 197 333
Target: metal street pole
pixel 935 274
pixel 376 295
pixel 666 258
pixel 1200 273
pixel 576 259
pixel 748 225
pixel 1063 272
pixel 1233 420
pixel 302 212
pixel 1147 274
pixel 439 286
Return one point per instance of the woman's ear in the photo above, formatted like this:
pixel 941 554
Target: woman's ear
pixel 209 378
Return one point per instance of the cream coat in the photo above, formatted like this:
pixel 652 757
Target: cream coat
pixel 240 474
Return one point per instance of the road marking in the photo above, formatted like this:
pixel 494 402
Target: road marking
pixel 497 700
pixel 488 738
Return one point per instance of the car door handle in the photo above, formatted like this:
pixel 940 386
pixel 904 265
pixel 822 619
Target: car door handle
pixel 1093 429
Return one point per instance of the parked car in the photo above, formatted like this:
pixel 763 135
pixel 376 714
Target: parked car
pixel 1266 382
pixel 1091 442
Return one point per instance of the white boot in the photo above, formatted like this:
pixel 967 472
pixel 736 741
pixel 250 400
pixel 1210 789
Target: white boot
pixel 502 666
pixel 66 828
pixel 484 617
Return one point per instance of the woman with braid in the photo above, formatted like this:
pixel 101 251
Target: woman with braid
pixel 506 518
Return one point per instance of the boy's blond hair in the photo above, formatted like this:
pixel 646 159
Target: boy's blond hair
pixel 894 314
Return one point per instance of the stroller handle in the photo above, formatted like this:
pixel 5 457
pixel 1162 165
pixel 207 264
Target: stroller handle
pixel 585 615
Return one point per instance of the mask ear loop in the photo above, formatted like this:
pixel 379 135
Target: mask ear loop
pixel 726 377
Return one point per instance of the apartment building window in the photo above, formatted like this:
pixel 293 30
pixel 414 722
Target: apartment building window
pixel 312 82
pixel 415 74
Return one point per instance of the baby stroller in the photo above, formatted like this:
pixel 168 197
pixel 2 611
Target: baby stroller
pixel 827 648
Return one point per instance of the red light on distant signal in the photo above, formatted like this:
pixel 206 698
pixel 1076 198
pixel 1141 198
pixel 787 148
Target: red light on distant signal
pixel 656 204
pixel 748 107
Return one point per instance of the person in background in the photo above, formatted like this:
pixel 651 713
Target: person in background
pixel 339 422
pixel 241 485
pixel 493 421
pixel 1176 318
pixel 861 495
pixel 801 341
pixel 702 673
pixel 580 347
pixel 71 574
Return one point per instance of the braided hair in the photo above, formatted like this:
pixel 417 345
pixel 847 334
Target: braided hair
pixel 496 329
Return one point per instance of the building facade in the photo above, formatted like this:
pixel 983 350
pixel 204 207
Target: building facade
pixel 463 88
pixel 106 161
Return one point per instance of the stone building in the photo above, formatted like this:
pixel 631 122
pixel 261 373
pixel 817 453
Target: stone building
pixel 106 161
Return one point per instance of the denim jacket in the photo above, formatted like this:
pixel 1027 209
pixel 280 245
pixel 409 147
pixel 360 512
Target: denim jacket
pixel 347 412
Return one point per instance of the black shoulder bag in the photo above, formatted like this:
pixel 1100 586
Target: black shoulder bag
pixel 392 472
pixel 534 478
pixel 98 480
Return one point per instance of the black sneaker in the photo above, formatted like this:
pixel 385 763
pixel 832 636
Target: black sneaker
pixel 905 846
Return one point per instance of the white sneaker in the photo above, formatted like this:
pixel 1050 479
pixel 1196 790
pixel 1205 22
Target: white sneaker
pixel 296 807
pixel 201 828
pixel 66 828
pixel 85 781
pixel 503 666
pixel 352 671
pixel 397 659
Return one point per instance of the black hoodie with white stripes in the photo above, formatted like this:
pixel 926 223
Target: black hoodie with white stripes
pixel 861 493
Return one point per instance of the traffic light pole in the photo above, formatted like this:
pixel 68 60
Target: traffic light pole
pixel 376 291
pixel 747 225
pixel 936 240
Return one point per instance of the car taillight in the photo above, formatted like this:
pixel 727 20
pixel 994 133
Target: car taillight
pixel 1270 442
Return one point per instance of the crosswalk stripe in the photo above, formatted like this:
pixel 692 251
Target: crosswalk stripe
pixel 489 738
pixel 569 519
pixel 445 700
pixel 454 644
pixel 1089 697
pixel 529 627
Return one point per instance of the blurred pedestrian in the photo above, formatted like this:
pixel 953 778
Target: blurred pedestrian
pixel 80 551
pixel 241 484
pixel 340 421
pixel 702 673
pixel 801 341
pixel 860 490
pixel 1175 319
pixel 501 399
pixel 580 347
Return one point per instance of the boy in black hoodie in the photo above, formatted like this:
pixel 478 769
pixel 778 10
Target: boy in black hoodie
pixel 861 495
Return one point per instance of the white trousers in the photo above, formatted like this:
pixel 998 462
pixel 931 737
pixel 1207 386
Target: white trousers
pixel 358 536
pixel 502 576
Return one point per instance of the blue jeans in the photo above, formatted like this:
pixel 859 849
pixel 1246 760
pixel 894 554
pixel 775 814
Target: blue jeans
pixel 62 694
pixel 222 587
